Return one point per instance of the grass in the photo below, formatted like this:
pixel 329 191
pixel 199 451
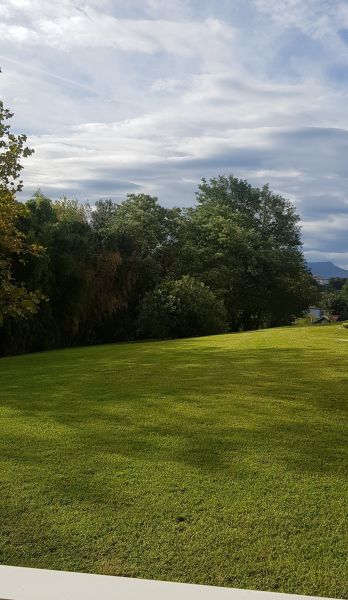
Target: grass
pixel 219 460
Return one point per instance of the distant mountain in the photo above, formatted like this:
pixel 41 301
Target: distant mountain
pixel 327 270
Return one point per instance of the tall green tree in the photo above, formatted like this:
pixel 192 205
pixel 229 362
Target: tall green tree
pixel 145 235
pixel 246 243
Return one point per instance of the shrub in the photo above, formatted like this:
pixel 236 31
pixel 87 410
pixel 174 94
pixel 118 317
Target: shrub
pixel 304 321
pixel 185 307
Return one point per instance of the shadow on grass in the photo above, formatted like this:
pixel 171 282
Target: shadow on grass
pixel 208 409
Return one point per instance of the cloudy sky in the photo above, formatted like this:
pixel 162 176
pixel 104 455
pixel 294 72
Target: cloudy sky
pixel 151 95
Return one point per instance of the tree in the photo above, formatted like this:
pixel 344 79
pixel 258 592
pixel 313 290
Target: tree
pixel 244 242
pixel 12 149
pixel 333 303
pixel 16 301
pixel 138 269
pixel 181 308
pixel 343 300
pixel 145 235
pixel 337 283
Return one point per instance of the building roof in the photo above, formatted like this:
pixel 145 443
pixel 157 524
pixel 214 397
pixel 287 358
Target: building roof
pixel 321 319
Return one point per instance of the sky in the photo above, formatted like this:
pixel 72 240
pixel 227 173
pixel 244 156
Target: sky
pixel 150 96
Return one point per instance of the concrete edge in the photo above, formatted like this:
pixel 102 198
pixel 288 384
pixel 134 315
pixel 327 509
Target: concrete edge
pixel 21 583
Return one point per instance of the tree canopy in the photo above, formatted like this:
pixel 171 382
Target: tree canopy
pixel 79 274
pixel 16 301
pixel 184 307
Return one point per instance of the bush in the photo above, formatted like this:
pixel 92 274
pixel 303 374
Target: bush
pixel 181 308
pixel 305 321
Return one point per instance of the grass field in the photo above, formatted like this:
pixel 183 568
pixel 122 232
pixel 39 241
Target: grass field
pixel 219 460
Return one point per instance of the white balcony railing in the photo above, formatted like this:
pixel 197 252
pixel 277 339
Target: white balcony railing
pixel 18 583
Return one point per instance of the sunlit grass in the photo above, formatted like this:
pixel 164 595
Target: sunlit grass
pixel 219 460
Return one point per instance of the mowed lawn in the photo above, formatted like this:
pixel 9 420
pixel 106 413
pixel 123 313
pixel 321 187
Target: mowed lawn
pixel 219 460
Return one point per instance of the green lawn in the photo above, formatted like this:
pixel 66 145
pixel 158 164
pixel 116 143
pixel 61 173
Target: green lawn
pixel 219 460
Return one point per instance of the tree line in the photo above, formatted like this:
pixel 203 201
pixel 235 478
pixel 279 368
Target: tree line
pixel 334 298
pixel 74 274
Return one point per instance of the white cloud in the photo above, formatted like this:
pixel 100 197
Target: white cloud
pixel 167 84
pixel 89 27
pixel 18 34
pixel 313 17
pixel 159 94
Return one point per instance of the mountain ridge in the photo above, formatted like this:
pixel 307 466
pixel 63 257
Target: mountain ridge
pixel 327 269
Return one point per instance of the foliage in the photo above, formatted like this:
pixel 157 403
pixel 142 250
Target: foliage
pixel 16 301
pixel 219 460
pixel 138 269
pixel 12 149
pixel 333 303
pixel 305 321
pixel 244 243
pixel 336 283
pixel 144 233
pixel 344 292
pixel 181 308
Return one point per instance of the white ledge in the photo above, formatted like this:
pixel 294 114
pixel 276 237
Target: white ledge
pixel 19 583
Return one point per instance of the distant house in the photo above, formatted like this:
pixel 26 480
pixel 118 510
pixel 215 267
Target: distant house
pixel 318 317
pixel 322 320
pixel 321 280
pixel 315 313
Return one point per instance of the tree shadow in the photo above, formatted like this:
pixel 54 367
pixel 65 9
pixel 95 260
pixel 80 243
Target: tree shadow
pixel 205 408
